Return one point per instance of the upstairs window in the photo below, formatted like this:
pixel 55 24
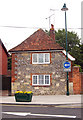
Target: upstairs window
pixel 41 58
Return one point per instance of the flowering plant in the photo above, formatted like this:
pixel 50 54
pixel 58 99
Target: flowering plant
pixel 25 96
pixel 28 92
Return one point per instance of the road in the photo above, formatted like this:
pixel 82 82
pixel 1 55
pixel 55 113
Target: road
pixel 31 111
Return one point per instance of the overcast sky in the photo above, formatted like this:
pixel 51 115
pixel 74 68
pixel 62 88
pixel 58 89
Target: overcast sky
pixel 20 18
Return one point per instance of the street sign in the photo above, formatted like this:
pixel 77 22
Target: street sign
pixel 67 66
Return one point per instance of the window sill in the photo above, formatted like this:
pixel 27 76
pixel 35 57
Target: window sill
pixel 41 85
pixel 40 63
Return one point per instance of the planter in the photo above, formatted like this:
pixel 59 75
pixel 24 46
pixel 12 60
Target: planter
pixel 23 97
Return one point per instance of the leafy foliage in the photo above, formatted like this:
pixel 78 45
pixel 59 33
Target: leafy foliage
pixel 72 39
pixel 77 52
pixel 9 63
pixel 75 48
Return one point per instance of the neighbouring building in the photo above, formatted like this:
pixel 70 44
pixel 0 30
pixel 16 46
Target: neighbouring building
pixel 37 65
pixel 3 59
pixel 5 78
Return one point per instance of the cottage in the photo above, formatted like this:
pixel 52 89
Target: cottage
pixel 37 63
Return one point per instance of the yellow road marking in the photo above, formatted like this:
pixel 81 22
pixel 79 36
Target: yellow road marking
pixel 69 106
pixel 24 105
pixel 61 106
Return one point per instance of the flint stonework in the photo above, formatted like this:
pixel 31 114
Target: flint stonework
pixel 25 69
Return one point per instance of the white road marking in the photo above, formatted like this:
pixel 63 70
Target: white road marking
pixel 46 115
pixel 64 116
pixel 17 113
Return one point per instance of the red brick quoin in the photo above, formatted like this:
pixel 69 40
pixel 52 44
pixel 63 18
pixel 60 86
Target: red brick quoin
pixel 14 65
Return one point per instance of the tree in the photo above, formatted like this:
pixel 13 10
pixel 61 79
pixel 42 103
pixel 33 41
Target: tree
pixel 77 52
pixel 74 46
pixel 81 56
pixel 72 39
pixel 9 63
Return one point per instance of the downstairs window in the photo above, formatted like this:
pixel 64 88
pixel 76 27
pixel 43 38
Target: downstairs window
pixel 41 80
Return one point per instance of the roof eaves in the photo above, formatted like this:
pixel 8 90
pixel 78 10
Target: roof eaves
pixel 69 56
pixel 4 47
pixel 35 50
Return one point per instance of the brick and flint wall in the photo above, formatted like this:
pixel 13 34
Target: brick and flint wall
pixel 22 70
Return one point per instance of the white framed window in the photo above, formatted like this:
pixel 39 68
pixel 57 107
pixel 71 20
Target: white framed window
pixel 41 80
pixel 40 58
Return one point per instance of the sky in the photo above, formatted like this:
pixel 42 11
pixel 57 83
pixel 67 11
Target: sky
pixel 21 18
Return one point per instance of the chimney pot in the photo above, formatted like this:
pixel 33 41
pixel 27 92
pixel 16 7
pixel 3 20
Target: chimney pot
pixel 52 32
pixel 52 27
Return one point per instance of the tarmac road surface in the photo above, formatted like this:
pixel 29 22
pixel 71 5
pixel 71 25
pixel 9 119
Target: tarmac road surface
pixel 37 111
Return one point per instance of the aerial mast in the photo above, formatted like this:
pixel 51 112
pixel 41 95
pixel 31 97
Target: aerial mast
pixel 49 19
pixel 53 10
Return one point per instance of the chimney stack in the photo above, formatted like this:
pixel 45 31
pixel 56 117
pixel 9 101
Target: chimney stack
pixel 52 32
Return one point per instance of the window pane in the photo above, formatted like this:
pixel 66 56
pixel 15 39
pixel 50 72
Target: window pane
pixel 40 58
pixel 47 58
pixel 47 79
pixel 34 79
pixel 41 79
pixel 34 57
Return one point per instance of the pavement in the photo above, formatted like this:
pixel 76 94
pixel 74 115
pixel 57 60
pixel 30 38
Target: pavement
pixel 44 100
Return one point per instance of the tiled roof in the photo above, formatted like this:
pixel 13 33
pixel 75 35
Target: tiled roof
pixel 39 40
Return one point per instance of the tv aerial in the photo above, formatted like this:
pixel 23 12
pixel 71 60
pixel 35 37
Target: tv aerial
pixel 49 17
